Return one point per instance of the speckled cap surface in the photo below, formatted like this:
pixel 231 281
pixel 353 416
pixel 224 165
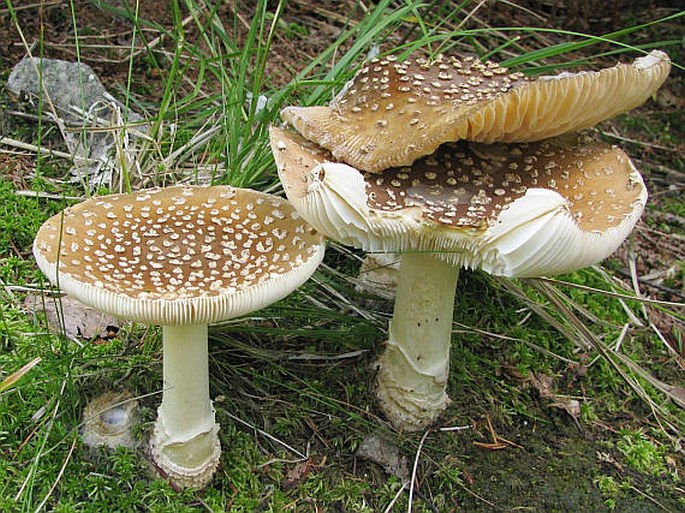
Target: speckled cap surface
pixel 529 209
pixel 392 112
pixel 179 255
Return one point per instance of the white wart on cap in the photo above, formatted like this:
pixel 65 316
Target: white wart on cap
pixel 392 113
pixel 179 255
pixel 515 210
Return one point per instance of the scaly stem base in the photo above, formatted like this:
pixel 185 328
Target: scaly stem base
pixel 413 370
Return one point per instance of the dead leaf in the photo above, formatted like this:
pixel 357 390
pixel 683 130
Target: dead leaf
pixel 80 321
pixel 298 474
pixel 544 384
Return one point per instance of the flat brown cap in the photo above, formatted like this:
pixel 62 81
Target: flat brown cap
pixel 392 113
pixel 527 209
pixel 179 255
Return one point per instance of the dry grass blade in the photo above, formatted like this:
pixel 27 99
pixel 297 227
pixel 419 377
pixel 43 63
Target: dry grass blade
pixel 267 435
pixel 609 293
pixel 518 292
pixel 414 470
pixel 674 392
pixel 578 331
pixel 13 378
pixel 514 339
pixel 59 475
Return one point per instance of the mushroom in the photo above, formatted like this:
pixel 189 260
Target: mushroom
pixel 518 210
pixel 182 257
pixel 392 113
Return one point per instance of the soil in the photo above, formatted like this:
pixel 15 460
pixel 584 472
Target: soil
pixel 550 465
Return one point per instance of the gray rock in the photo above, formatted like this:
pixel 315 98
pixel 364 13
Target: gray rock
pixel 74 89
pixel 377 449
pixel 73 96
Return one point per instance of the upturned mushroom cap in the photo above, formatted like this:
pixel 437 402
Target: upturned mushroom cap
pixel 516 210
pixel 179 255
pixel 392 113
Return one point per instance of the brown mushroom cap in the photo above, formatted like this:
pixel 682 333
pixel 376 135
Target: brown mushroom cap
pixel 179 255
pixel 467 185
pixel 513 209
pixel 392 113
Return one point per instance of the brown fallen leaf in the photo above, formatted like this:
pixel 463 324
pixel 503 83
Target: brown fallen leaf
pixel 299 473
pixel 544 384
pixel 80 321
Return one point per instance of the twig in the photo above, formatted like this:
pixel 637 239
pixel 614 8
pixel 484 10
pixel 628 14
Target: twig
pixel 47 195
pixel 448 429
pixel 647 496
pixel 614 135
pixel 516 339
pixel 280 460
pixel 655 285
pixel 327 358
pixel 498 442
pixel 35 5
pixel 663 340
pixel 621 336
pixel 43 151
pixel 648 229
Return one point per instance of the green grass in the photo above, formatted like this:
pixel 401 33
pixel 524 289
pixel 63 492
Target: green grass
pixel 293 381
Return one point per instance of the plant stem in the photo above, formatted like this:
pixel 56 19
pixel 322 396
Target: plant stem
pixel 186 406
pixel 414 368
pixel 185 444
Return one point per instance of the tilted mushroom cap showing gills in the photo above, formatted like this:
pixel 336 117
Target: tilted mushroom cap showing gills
pixel 526 209
pixel 180 254
pixel 392 113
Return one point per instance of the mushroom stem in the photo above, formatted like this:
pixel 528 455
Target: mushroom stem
pixel 413 370
pixel 185 443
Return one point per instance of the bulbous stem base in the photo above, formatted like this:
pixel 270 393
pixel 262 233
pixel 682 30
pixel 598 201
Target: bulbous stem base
pixel 188 463
pixel 185 442
pixel 413 370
